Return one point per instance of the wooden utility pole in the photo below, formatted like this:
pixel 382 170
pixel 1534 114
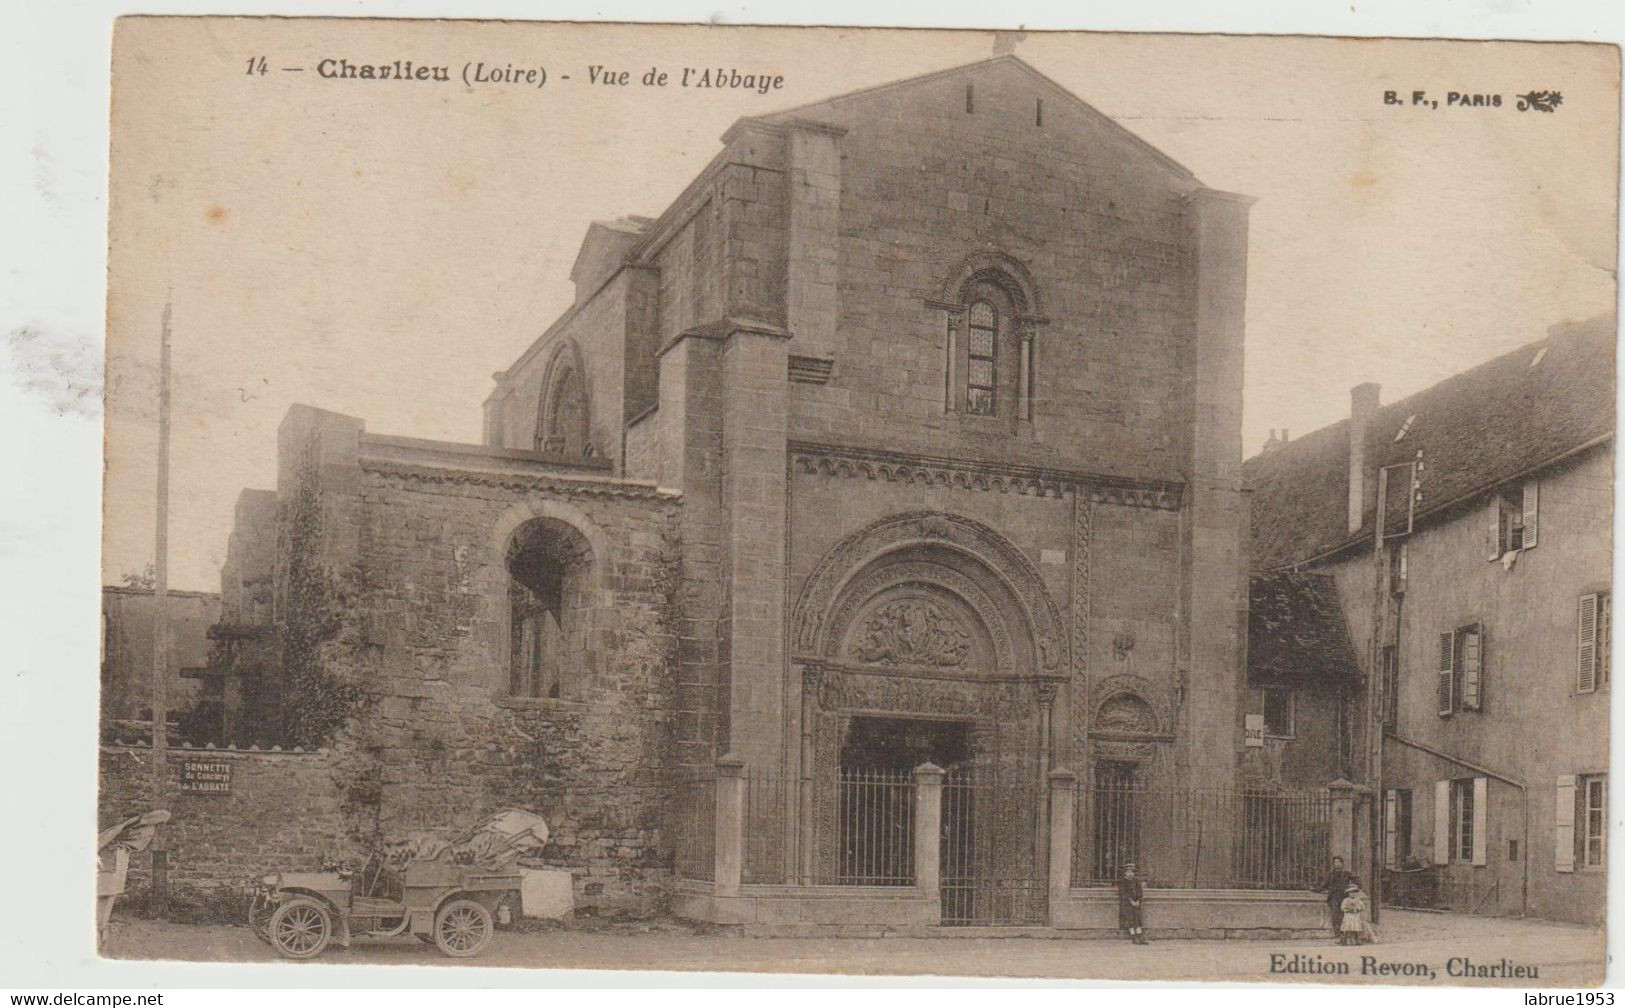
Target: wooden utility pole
pixel 160 633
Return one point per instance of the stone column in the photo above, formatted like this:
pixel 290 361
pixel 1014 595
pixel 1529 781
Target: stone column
pixel 1062 812
pixel 811 679
pixel 730 825
pixel 1044 691
pixel 928 828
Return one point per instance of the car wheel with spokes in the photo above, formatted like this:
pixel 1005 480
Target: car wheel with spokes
pixel 300 928
pixel 462 927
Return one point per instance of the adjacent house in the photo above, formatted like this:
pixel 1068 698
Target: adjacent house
pixel 1467 533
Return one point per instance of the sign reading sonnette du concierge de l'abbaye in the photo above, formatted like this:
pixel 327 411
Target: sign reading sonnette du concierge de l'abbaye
pixel 206 776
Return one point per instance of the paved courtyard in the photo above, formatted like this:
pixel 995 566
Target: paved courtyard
pixel 1565 955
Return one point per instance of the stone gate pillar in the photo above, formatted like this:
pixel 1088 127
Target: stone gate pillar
pixel 730 825
pixel 1350 831
pixel 928 828
pixel 1062 822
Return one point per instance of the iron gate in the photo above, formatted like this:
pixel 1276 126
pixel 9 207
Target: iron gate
pixel 989 872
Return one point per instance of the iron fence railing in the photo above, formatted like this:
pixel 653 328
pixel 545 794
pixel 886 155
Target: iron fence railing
pixel 989 872
pixel 765 814
pixel 695 821
pixel 1201 838
pixel 874 837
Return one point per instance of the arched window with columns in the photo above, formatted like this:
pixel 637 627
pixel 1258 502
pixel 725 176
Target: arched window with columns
pixel 989 363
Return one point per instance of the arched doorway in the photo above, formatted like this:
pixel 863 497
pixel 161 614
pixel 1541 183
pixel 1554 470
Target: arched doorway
pixel 928 639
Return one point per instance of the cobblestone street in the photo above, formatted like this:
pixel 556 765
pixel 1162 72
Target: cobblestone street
pixel 1565 955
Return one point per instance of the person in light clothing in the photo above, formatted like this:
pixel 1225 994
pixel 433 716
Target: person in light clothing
pixel 1354 927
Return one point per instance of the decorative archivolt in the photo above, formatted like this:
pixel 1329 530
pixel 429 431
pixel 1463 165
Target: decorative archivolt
pixel 992 264
pixel 817 623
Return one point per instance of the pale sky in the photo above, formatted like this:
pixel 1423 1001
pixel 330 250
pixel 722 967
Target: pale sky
pixel 380 248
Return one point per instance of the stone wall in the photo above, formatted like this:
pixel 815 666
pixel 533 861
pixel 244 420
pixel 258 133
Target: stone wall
pixel 285 812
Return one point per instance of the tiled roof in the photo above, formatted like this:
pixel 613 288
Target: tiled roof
pixel 1477 429
pixel 1296 631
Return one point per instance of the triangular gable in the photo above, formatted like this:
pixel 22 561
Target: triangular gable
pixel 811 110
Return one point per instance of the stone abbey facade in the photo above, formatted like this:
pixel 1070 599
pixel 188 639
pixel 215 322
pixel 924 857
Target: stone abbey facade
pixel 909 433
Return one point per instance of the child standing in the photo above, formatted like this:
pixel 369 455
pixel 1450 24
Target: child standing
pixel 1130 894
pixel 1355 908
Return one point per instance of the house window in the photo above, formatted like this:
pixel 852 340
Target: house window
pixel 1514 519
pixel 1278 712
pixel 1592 818
pixel 981 385
pixel 1398 826
pixel 1461 669
pixel 1462 821
pixel 1591 655
pixel 1390 687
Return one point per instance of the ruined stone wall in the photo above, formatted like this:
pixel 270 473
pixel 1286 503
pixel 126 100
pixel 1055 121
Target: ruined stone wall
pixel 391 631
pixel 445 740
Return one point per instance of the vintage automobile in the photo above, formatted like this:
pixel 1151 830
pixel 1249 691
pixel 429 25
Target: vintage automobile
pixel 444 894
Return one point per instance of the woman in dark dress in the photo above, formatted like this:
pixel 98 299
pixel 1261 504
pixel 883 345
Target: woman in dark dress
pixel 1130 894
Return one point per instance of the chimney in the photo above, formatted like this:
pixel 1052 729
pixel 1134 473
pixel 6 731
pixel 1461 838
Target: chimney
pixel 1363 403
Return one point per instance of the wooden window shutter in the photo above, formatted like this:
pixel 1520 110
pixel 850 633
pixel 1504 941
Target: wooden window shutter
pixel 1441 822
pixel 1481 818
pixel 1389 825
pixel 1563 821
pixel 1585 676
pixel 1447 673
pixel 1531 513
pixel 1472 667
pixel 1494 528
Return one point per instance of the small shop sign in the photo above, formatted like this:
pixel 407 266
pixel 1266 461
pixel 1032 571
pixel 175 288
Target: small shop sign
pixel 1253 731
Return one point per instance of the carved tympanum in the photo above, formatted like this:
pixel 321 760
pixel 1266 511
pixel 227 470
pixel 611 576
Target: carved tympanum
pixel 1126 713
pixel 912 632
